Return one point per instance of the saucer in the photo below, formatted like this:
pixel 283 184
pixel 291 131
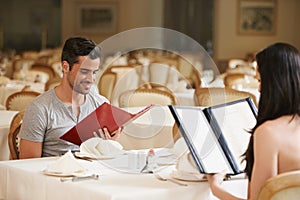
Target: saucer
pixel 93 157
pixel 186 176
pixel 61 174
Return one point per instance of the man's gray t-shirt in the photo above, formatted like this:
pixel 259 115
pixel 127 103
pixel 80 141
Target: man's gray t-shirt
pixel 47 118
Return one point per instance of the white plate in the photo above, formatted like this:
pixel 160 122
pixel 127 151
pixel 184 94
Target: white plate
pixel 185 176
pixel 93 157
pixel 61 174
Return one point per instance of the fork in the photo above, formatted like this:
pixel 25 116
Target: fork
pixel 167 179
pixel 80 178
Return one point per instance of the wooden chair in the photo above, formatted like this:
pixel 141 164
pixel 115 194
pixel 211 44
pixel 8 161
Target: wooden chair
pixel 235 62
pixel 240 80
pixel 18 101
pixel 44 68
pixel 164 74
pixel 145 96
pixel 56 66
pixel 13 139
pixel 159 73
pixel 285 186
pixel 212 96
pixel 107 84
pixel 189 72
pixel 157 86
pixel 23 63
pixel 29 54
pixel 52 83
pixel 117 79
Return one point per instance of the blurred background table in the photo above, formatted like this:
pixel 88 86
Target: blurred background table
pixel 5 119
pixel 16 86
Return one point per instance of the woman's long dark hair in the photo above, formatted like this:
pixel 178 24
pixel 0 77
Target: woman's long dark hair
pixel 279 68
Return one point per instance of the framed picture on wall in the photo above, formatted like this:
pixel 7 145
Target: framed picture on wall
pixel 257 17
pixel 96 18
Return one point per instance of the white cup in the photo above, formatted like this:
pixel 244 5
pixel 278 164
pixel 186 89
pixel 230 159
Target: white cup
pixel 136 160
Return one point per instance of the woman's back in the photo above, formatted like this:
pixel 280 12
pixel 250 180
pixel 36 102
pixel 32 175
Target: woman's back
pixel 284 136
pixel 288 133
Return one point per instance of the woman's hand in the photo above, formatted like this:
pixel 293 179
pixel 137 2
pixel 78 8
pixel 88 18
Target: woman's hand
pixel 216 180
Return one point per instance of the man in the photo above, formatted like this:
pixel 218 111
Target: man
pixel 54 112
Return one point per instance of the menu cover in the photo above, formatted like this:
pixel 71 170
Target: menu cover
pixel 217 136
pixel 105 116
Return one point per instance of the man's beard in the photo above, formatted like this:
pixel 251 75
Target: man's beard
pixel 76 88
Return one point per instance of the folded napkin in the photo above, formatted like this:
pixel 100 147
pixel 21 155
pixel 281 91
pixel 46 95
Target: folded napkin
pixel 66 164
pixel 187 169
pixel 99 147
pixel 179 147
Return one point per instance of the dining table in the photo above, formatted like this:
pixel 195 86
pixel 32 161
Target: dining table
pixel 17 85
pixel 186 97
pixel 104 179
pixel 6 117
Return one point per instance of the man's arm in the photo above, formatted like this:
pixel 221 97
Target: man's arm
pixel 29 149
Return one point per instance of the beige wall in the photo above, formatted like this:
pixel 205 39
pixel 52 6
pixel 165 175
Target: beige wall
pixel 228 44
pixel 131 14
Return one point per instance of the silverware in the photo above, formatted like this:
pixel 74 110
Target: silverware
pixel 168 179
pixel 145 167
pixel 80 178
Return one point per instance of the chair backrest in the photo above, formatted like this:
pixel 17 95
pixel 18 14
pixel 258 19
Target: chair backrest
pixel 145 96
pixel 149 85
pixel 117 79
pixel 19 100
pixel 13 139
pixel 240 80
pixel 107 83
pixel 44 68
pixel 52 83
pixel 233 63
pixel 23 63
pixel 56 66
pixel 159 73
pixel 189 72
pixel 213 96
pixel 285 186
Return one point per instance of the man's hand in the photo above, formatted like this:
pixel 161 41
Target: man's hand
pixel 104 134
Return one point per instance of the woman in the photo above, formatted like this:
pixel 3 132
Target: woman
pixel 277 131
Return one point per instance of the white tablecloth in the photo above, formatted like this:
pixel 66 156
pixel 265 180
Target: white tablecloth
pixel 16 86
pixel 5 119
pixel 23 179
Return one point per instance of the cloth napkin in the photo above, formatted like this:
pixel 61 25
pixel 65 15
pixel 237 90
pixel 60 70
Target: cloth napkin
pixel 99 147
pixel 186 168
pixel 179 147
pixel 66 164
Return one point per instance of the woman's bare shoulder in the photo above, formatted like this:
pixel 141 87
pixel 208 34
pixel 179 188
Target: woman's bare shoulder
pixel 278 125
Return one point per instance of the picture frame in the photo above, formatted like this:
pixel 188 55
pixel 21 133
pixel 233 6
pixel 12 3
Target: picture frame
pixel 96 18
pixel 257 17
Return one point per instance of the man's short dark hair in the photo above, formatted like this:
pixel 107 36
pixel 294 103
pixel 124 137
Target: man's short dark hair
pixel 79 46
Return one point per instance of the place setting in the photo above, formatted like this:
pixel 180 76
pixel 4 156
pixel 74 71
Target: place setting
pixel 67 168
